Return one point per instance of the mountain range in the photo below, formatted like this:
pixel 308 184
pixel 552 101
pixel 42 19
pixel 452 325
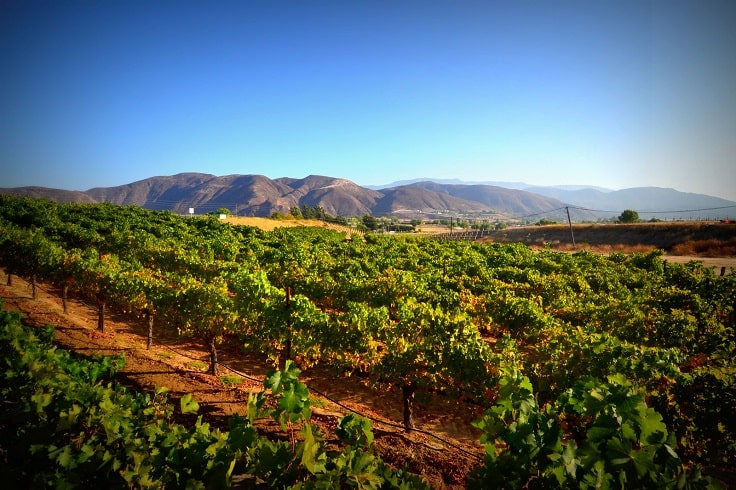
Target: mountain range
pixel 257 195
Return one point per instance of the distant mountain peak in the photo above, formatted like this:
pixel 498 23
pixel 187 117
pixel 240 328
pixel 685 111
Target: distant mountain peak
pixel 508 185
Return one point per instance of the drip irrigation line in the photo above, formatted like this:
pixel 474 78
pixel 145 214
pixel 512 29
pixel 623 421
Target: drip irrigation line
pixel 239 373
pixel 398 426
pixel 251 378
pixel 341 405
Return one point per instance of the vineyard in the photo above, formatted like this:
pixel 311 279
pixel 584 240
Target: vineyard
pixel 592 371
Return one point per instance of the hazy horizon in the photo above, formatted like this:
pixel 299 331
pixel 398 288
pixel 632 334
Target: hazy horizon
pixel 612 94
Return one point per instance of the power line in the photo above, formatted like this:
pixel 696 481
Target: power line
pixel 580 208
pixel 540 213
pixel 656 212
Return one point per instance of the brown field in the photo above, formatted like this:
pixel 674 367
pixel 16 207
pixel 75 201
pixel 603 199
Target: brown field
pixel 270 224
pixel 431 229
pixel 713 244
pixel 703 239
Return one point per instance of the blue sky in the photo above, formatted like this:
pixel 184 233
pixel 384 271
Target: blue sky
pixel 609 93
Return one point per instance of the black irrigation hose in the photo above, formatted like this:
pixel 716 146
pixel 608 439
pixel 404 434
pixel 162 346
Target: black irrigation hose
pixel 322 394
pixel 393 424
pixel 219 364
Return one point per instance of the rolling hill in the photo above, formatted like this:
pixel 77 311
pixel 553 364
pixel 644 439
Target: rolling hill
pixel 257 195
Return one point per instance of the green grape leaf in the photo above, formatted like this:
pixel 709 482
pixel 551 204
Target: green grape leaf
pixel 619 452
pixel 643 460
pixel 313 457
pixel 273 381
pixel 188 404
pixel 653 430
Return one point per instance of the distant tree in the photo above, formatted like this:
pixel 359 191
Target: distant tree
pixel 224 211
pixel 308 212
pixel 370 222
pixel 340 220
pixel 628 216
pixel 545 222
pixel 296 212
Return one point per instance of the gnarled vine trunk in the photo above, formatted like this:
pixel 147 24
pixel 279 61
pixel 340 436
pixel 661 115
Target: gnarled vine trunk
pixel 407 392
pixel 213 357
pixel 64 296
pixel 149 340
pixel 101 313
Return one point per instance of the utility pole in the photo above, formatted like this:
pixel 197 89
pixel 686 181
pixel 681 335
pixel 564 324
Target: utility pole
pixel 570 224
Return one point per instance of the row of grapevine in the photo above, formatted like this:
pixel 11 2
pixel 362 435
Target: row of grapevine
pixel 447 317
pixel 64 425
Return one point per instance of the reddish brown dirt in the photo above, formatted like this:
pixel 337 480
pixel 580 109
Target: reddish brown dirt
pixel 176 363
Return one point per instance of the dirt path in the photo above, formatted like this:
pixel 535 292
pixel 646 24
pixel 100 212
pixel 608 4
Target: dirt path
pixel 177 364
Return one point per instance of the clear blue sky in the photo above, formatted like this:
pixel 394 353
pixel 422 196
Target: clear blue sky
pixel 610 93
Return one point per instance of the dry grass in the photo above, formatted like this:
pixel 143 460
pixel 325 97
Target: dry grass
pixel 269 224
pixel 706 248
pixel 601 249
pixel 432 228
